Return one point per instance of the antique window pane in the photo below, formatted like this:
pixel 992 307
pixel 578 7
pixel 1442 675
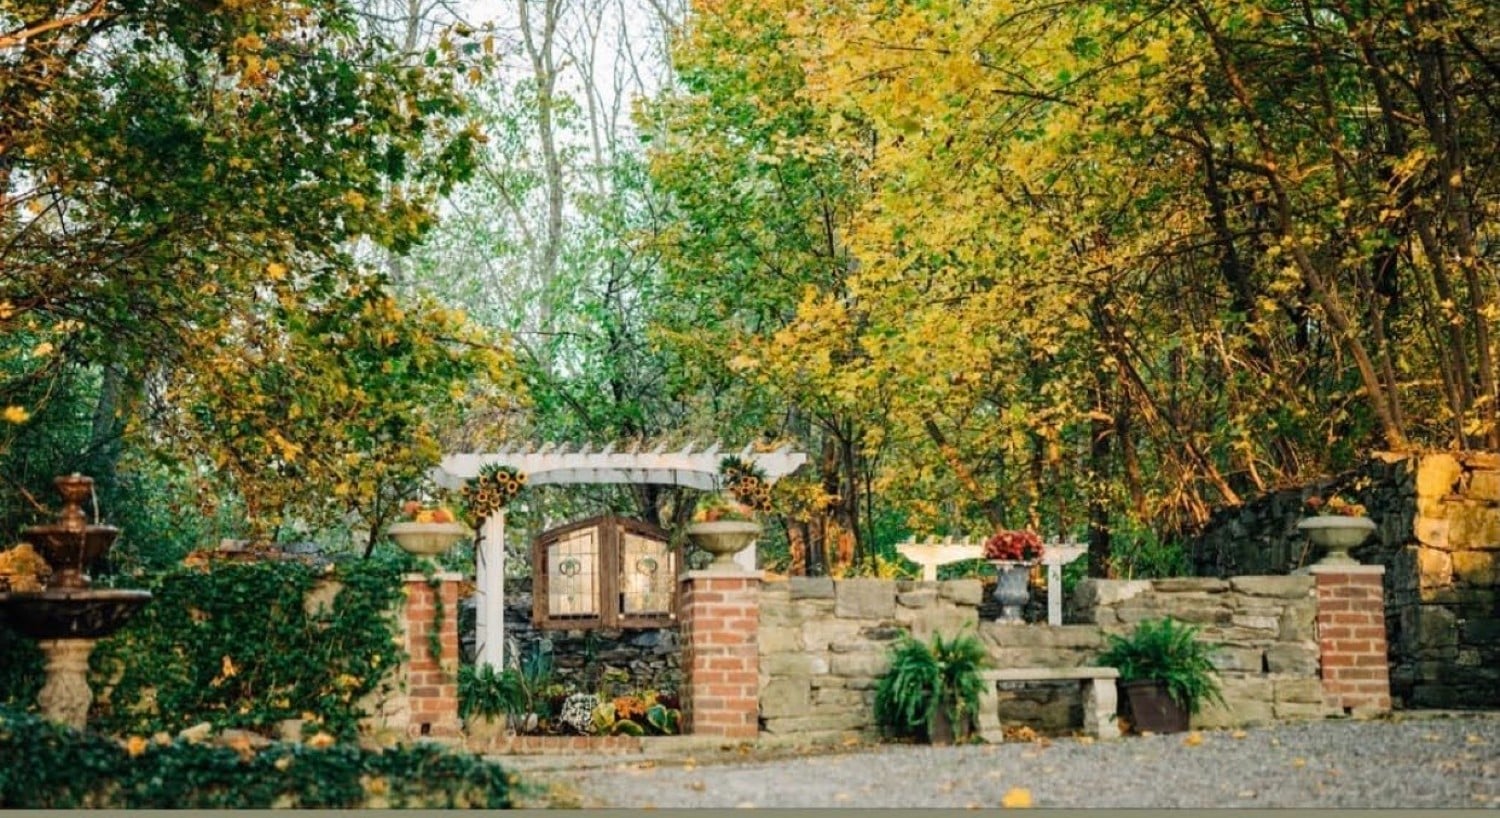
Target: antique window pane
pixel 573 574
pixel 647 573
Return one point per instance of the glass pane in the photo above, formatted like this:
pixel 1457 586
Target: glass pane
pixel 573 575
pixel 647 569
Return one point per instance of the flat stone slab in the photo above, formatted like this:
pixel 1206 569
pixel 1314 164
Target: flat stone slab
pixel 1048 674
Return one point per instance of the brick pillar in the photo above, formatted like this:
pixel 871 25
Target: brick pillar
pixel 432 685
pixel 720 618
pixel 1351 638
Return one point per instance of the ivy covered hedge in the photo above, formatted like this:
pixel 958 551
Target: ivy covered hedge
pixel 47 766
pixel 236 645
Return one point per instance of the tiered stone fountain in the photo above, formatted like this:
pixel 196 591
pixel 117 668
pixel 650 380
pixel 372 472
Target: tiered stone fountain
pixel 69 616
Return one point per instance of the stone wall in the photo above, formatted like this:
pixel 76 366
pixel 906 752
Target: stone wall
pixel 1267 627
pixel 649 657
pixel 1438 537
pixel 823 644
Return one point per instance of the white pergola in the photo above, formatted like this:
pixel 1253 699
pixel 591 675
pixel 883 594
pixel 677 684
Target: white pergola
pixel 550 465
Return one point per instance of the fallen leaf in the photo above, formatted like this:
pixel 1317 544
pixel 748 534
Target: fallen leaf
pixel 1017 798
pixel 697 786
pixel 1238 734
pixel 321 741
pixel 1193 739
pixel 851 741
pixel 842 796
pixel 1085 740
pixel 1247 793
pixel 1299 762
pixel 1473 739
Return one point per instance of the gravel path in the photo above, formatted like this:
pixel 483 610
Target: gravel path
pixel 1411 761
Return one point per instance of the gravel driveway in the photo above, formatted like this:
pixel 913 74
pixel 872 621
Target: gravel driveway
pixel 1411 761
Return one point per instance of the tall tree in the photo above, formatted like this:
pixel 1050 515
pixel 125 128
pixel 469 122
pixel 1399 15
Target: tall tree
pixel 178 193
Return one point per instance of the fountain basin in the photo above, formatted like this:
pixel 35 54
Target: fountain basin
pixel 69 550
pixel 66 613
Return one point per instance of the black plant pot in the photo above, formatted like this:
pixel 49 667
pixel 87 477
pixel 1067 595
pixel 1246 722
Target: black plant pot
pixel 1152 708
pixel 940 730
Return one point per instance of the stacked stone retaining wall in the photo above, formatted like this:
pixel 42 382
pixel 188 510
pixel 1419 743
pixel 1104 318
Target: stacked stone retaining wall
pixel 824 643
pixel 640 658
pixel 1266 627
pixel 1438 537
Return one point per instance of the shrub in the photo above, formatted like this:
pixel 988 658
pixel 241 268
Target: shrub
pixel 48 766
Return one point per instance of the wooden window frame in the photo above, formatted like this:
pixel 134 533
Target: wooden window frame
pixel 611 541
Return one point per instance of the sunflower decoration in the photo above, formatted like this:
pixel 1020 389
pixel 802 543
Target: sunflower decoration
pixel 747 483
pixel 491 490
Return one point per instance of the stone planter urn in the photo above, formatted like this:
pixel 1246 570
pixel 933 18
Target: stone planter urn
pixel 1012 590
pixel 1338 533
pixel 427 539
pixel 724 539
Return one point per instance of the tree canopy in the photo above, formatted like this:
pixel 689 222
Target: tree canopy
pixel 181 188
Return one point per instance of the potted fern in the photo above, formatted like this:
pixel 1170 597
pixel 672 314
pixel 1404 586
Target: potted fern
pixel 1165 673
pixel 932 690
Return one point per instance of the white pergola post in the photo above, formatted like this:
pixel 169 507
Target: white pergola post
pixel 489 580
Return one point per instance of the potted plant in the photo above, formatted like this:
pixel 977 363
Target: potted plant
pixel 932 690
pixel 723 527
pixel 427 530
pixel 1012 553
pixel 1165 673
pixel 1338 526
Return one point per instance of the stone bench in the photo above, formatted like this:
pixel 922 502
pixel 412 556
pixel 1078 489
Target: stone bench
pixel 1099 697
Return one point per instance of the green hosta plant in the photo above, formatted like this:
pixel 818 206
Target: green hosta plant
pixel 926 679
pixel 1168 651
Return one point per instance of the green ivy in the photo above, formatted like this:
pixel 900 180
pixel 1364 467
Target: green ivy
pixel 434 635
pixel 21 669
pixel 235 647
pixel 47 766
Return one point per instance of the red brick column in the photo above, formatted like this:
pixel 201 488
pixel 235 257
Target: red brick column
pixel 720 618
pixel 432 685
pixel 1351 638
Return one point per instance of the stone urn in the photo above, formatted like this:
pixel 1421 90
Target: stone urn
pixel 428 539
pixel 1338 533
pixel 1012 589
pixel 724 539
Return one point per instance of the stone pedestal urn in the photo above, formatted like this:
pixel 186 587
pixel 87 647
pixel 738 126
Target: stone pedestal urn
pixel 1338 533
pixel 1012 590
pixel 428 539
pixel 724 539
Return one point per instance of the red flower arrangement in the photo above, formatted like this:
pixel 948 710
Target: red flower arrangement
pixel 1016 546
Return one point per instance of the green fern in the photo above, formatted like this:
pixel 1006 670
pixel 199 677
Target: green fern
pixel 923 678
pixel 1167 651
